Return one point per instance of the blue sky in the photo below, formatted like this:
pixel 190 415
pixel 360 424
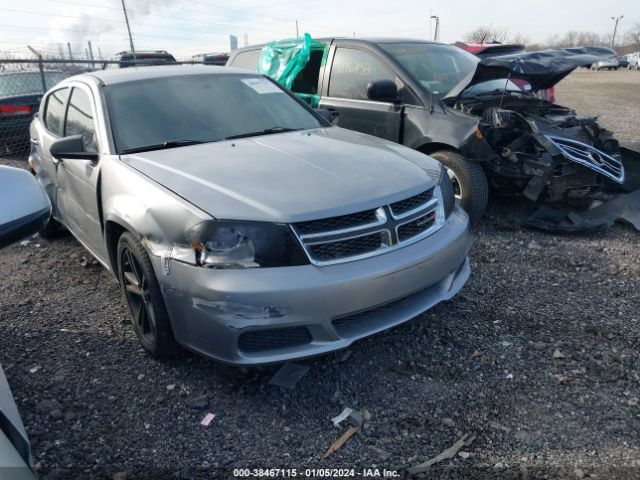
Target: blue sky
pixel 186 27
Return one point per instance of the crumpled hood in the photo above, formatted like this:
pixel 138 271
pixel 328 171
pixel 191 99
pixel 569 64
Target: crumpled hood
pixel 289 177
pixel 541 69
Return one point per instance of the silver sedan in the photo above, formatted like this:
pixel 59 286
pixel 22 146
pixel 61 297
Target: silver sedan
pixel 239 223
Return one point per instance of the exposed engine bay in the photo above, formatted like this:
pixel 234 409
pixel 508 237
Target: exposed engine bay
pixel 545 151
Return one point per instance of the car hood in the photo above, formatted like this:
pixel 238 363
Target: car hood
pixel 289 177
pixel 541 69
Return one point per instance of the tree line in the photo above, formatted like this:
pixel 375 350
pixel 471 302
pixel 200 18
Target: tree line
pixel 625 43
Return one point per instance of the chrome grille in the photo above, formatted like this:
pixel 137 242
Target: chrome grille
pixel 337 223
pixel 371 232
pixel 411 203
pixel 590 157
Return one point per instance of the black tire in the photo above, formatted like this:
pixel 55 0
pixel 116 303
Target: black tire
pixel 469 182
pixel 52 230
pixel 142 295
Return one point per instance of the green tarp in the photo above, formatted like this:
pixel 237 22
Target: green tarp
pixel 283 60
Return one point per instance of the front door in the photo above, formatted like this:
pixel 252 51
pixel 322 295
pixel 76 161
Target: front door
pixel 77 179
pixel 352 70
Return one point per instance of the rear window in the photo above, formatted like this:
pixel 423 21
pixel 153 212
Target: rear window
pixel 14 84
pixel 248 59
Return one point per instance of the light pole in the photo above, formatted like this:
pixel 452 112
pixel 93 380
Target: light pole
pixel 436 35
pixel 126 19
pixel 615 28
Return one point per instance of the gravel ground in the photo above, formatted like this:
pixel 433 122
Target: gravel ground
pixel 537 358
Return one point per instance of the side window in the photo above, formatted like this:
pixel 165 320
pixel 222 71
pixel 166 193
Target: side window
pixel 353 70
pixel 54 110
pixel 307 79
pixel 248 60
pixel 79 119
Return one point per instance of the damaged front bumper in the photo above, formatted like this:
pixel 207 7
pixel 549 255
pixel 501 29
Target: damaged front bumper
pixel 270 315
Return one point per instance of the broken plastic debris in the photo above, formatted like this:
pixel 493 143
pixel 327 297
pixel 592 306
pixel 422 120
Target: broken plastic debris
pixel 208 418
pixel 447 454
pixel 35 369
pixel 557 354
pixel 25 243
pixel 171 387
pixel 289 375
pixel 342 416
pixel 340 441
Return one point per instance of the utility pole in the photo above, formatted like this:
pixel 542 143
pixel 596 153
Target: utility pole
pixel 126 19
pixel 297 34
pixel 90 50
pixel 430 30
pixel 99 53
pixel 615 28
pixel 70 54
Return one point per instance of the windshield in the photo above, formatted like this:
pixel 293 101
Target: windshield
pixel 200 108
pixel 13 84
pixel 498 86
pixel 437 68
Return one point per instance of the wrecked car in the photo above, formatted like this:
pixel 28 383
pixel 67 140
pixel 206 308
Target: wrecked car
pixel 239 222
pixel 479 117
pixel 25 209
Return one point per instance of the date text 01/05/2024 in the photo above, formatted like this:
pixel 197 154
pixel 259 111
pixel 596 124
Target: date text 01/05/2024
pixel 314 473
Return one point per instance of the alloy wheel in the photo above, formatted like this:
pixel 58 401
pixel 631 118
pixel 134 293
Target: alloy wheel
pixel 457 188
pixel 138 296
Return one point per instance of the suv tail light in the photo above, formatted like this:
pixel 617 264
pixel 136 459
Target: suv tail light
pixel 14 110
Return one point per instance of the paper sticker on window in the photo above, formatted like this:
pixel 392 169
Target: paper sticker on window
pixel 261 85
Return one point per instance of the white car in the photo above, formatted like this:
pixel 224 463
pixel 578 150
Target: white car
pixel 608 64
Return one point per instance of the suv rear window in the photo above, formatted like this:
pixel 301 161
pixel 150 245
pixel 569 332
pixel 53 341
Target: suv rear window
pixel 247 59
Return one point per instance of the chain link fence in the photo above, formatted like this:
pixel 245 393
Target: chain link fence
pixel 23 83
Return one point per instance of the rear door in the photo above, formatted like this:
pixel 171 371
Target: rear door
pixel 48 129
pixel 350 72
pixel 77 179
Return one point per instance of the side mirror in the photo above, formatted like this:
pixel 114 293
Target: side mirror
pixel 24 206
pixel 383 91
pixel 71 147
pixel 328 115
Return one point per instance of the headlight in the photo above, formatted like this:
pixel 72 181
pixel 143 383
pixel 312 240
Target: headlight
pixel 231 244
pixel 448 195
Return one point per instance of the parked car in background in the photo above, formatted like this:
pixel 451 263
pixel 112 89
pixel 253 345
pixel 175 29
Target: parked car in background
pixel 623 61
pixel 144 58
pixel 24 210
pixel 606 64
pixel 20 95
pixel 239 222
pixel 479 117
pixel 489 49
pixel 211 58
pixel 634 61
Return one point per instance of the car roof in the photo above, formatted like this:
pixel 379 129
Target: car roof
pixel 353 40
pixel 132 74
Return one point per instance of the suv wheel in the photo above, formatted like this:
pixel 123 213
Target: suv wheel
pixel 142 295
pixel 469 182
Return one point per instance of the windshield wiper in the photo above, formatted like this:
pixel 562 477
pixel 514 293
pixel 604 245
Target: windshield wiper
pixel 267 131
pixel 163 146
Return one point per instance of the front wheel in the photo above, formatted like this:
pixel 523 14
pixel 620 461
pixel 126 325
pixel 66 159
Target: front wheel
pixel 469 182
pixel 143 297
